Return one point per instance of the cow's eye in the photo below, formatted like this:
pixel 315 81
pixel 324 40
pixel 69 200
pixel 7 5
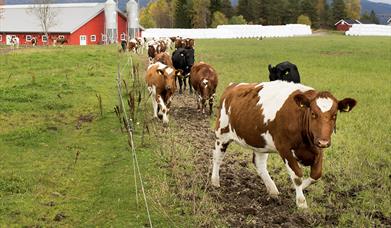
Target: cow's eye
pixel 313 115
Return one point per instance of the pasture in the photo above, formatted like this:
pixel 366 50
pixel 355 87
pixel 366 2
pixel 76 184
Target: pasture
pixel 62 163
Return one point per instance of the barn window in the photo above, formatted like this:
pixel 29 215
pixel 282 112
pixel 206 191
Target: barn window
pixel 123 36
pixel 104 37
pixel 28 38
pixel 93 38
pixel 44 38
pixel 61 37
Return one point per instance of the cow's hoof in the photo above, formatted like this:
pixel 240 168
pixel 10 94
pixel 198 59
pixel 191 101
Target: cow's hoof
pixel 216 182
pixel 301 203
pixel 274 195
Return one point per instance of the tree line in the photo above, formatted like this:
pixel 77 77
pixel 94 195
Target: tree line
pixel 210 13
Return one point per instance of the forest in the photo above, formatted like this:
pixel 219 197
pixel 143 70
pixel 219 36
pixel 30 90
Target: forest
pixel 210 13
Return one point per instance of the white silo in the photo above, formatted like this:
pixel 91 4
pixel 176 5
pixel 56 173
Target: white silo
pixel 133 26
pixel 111 21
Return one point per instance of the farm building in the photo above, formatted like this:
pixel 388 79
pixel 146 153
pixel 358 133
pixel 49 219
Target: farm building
pixel 76 23
pixel 345 24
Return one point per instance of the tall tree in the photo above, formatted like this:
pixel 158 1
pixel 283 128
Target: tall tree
pixel 160 13
pixel 373 17
pixel 322 13
pixel 201 13
pixel 243 9
pixel 308 7
pixel 47 16
pixel 226 8
pixel 292 12
pixel 182 14
pixel 218 18
pixel 353 8
pixel 273 11
pixel 338 10
pixel 215 5
pixel 146 19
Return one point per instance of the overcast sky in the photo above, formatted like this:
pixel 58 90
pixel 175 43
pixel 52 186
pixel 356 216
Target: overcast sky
pixel 383 1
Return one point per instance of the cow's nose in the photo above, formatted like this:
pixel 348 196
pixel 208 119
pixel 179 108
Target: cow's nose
pixel 323 143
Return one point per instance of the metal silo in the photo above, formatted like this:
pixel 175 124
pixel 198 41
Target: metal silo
pixel 133 26
pixel 111 21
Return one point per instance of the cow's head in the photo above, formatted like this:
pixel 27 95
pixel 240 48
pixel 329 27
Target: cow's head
pixel 320 115
pixel 169 75
pixel 272 73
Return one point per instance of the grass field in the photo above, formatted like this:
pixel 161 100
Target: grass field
pixel 46 95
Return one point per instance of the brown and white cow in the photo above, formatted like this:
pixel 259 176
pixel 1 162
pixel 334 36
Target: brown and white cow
pixel 204 80
pixel 293 119
pixel 164 58
pixel 160 80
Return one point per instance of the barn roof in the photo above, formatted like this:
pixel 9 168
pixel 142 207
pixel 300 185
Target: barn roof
pixel 348 21
pixel 70 17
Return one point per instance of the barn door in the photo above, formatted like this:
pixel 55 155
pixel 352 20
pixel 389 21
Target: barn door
pixel 83 40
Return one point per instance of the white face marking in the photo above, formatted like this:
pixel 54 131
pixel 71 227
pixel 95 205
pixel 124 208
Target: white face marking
pixel 205 81
pixel 169 70
pixel 269 141
pixel 324 104
pixel 274 94
pixel 161 66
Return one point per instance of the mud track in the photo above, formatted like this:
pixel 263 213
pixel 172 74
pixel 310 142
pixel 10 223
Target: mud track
pixel 242 197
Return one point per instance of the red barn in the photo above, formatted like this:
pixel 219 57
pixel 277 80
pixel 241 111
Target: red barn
pixel 345 24
pixel 78 23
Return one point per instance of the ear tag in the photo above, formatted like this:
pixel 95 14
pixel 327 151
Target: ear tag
pixel 347 108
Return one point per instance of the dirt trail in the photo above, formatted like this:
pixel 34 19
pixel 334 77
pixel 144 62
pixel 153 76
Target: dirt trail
pixel 242 196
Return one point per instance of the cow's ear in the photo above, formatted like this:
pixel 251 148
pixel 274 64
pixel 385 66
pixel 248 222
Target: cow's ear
pixel 302 100
pixel 270 68
pixel 346 105
pixel 159 71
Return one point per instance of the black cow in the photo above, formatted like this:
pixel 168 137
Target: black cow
pixel 284 71
pixel 183 59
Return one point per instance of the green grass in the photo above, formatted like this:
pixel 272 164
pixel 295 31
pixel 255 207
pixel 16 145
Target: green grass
pixel 43 92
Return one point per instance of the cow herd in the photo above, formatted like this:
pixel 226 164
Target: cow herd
pixel 282 115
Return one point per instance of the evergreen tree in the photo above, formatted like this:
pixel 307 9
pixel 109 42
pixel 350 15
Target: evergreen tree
pixel 215 5
pixel 182 15
pixel 226 8
pixel 273 11
pixel 243 9
pixel 308 7
pixel 292 12
pixel 338 10
pixel 373 17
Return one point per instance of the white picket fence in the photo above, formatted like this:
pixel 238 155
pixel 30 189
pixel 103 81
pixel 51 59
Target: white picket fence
pixel 369 30
pixel 232 31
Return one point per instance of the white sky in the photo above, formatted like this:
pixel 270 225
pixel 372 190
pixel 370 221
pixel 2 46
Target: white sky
pixel 383 1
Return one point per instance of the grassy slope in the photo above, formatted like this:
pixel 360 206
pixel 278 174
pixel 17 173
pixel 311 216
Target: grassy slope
pixel 39 142
pixel 357 182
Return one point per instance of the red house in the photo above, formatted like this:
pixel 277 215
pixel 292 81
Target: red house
pixel 78 23
pixel 345 24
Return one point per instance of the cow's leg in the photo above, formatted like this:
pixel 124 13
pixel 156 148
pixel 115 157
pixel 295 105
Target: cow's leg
pixel 190 87
pixel 296 175
pixel 180 85
pixel 211 105
pixel 163 110
pixel 152 91
pixel 218 155
pixel 260 161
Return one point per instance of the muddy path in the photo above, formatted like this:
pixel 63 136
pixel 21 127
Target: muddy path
pixel 242 198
